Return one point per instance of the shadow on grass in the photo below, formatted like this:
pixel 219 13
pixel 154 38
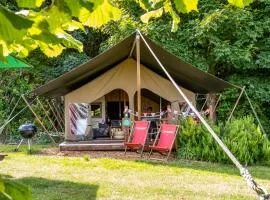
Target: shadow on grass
pixel 58 189
pixel 261 172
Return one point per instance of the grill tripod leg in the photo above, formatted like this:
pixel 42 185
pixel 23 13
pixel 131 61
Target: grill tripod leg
pixel 17 148
pixel 29 145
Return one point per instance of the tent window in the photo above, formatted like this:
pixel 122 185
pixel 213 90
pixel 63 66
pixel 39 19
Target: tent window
pixel 96 110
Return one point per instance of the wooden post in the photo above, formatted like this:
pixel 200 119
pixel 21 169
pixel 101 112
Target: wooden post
pixel 38 119
pixel 44 110
pixel 235 105
pixel 138 76
pixel 58 113
pixel 55 115
pixel 254 112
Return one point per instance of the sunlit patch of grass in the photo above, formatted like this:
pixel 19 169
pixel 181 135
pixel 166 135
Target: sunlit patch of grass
pixel 84 178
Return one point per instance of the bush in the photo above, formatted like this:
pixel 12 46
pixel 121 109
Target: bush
pixel 246 141
pixel 241 136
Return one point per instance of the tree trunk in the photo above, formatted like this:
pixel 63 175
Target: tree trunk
pixel 212 99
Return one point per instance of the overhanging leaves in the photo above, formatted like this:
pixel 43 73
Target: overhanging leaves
pixel 240 3
pixel 47 28
pixel 29 3
pixel 186 6
pixel 152 14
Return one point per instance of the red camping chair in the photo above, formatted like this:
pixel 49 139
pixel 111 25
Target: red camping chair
pixel 137 138
pixel 164 139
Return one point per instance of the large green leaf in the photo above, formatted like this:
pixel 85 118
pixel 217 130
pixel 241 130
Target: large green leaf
pixel 176 19
pixel 152 14
pixel 103 12
pixel 47 29
pixel 29 3
pixel 13 28
pixel 240 3
pixel 186 6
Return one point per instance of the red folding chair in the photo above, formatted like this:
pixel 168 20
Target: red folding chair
pixel 165 139
pixel 137 138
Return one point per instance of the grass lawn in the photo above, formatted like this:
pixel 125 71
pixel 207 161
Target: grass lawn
pixel 78 178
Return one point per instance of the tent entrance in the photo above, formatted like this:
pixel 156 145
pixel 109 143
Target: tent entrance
pixel 116 100
pixel 115 110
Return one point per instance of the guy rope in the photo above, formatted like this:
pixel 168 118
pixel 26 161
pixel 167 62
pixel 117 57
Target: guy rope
pixel 261 192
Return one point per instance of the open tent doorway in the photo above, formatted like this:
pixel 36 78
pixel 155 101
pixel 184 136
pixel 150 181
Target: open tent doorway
pixel 116 100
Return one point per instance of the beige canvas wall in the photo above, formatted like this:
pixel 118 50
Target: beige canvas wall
pixel 122 76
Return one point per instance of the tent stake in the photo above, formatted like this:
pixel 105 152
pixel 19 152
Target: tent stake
pixel 31 109
pixel 262 193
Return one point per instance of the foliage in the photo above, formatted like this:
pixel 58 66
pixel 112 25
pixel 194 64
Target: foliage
pixel 242 137
pixel 155 9
pixel 48 28
pixel 196 143
pixel 246 141
pixel 17 82
pixel 11 190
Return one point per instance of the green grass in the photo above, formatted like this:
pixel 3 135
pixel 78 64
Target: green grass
pixel 85 178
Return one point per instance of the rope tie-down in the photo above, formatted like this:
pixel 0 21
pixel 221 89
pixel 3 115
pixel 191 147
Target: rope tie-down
pixel 260 191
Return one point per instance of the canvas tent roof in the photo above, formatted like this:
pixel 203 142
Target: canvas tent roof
pixel 184 74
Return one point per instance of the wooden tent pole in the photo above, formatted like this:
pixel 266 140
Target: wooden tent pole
pixel 255 113
pixel 138 76
pixel 235 105
pixel 219 98
pixel 42 125
pixel 42 107
pixel 60 124
pixel 58 113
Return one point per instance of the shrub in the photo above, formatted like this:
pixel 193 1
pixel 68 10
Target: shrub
pixel 241 136
pixel 246 141
pixel 195 142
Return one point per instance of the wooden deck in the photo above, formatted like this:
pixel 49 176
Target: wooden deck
pixel 93 145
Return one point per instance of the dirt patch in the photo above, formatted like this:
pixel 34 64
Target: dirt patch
pixel 103 154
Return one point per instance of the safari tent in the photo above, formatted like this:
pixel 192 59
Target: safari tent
pixel 125 75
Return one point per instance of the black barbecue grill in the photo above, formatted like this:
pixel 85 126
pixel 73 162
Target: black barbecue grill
pixel 27 130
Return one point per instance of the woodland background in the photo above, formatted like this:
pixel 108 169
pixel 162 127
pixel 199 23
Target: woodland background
pixel 230 42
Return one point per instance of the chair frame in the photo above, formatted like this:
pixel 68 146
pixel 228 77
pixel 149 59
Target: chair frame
pixel 155 142
pixel 131 133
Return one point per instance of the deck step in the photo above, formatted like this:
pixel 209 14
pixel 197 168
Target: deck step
pixel 93 145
